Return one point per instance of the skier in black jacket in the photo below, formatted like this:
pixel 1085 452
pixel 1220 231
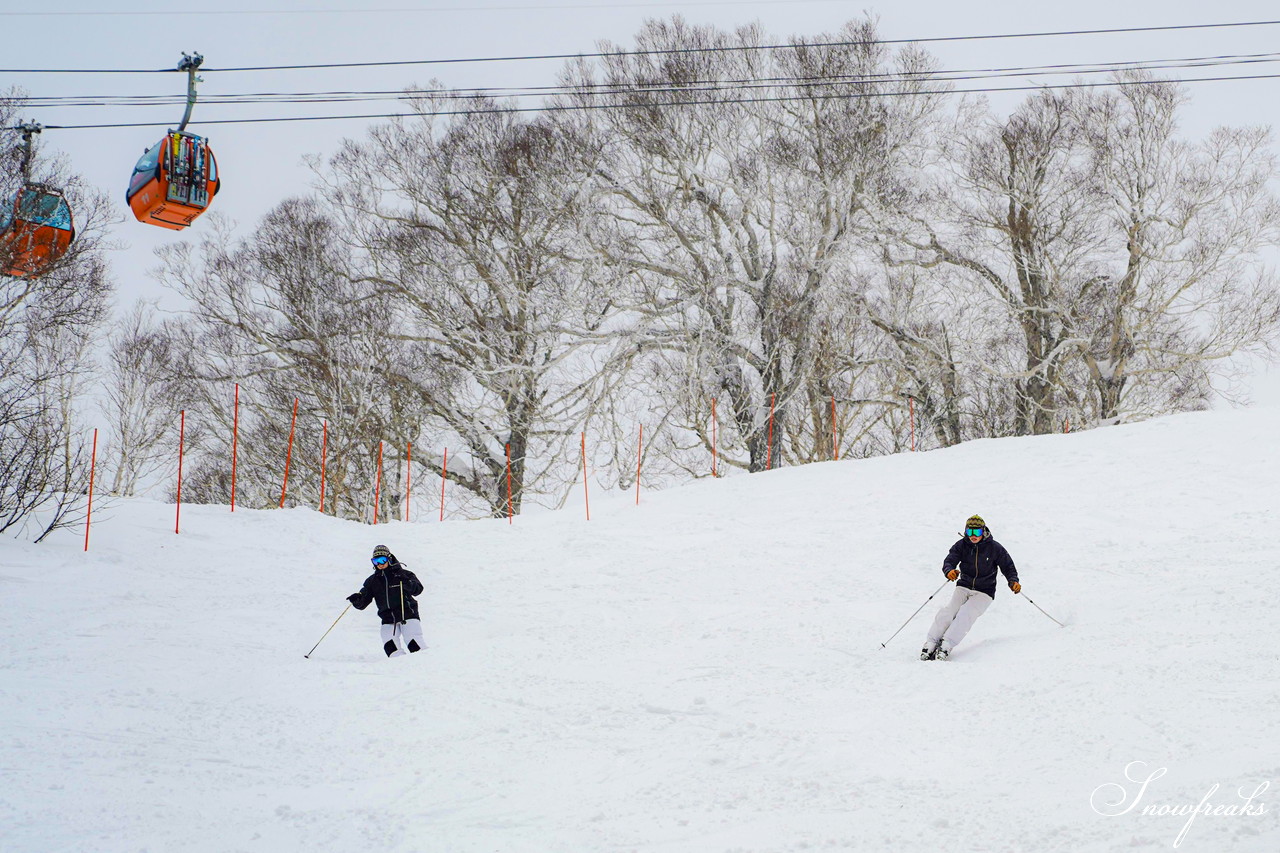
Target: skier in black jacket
pixel 972 562
pixel 393 587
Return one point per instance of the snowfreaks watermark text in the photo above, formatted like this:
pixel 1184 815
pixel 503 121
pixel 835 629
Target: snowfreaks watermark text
pixel 1117 798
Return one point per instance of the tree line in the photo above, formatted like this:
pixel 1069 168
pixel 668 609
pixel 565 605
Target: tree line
pixel 813 237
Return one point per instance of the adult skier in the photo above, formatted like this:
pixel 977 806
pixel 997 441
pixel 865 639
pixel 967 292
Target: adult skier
pixel 393 587
pixel 972 563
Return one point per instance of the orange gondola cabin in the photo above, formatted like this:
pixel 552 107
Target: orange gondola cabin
pixel 174 181
pixel 36 227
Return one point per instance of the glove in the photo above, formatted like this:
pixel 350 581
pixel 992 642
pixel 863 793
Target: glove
pixel 953 574
pixel 354 598
pixel 1016 587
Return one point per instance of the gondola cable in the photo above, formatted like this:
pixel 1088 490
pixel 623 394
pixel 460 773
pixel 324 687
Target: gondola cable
pixel 816 96
pixel 731 84
pixel 657 52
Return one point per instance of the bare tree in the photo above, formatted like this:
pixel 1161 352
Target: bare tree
pixel 47 323
pixel 736 213
pixel 1022 219
pixel 1186 224
pixel 140 396
pixel 1126 259
pixel 474 229
pixel 918 357
pixel 281 313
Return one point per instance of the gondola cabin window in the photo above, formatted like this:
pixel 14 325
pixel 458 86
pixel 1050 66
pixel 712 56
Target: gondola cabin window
pixel 148 169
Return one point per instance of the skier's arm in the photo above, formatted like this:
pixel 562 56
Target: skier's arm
pixel 1010 570
pixel 360 600
pixel 414 585
pixel 952 561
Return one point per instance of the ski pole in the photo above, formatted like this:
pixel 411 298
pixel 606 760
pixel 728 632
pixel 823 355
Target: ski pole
pixel 1041 609
pixel 913 615
pixel 326 633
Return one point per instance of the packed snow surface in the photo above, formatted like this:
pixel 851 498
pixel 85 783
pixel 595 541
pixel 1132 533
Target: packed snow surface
pixel 702 672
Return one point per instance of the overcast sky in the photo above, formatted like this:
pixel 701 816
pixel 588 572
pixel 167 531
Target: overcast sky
pixel 261 164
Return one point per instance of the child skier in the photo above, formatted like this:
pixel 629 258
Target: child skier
pixel 972 562
pixel 393 587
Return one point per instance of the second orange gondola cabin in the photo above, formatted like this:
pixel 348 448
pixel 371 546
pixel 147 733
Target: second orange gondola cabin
pixel 36 227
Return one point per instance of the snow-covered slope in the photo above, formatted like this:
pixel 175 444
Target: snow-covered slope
pixel 699 673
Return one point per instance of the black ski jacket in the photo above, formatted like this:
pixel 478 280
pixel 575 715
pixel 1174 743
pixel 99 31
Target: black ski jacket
pixel 393 588
pixel 978 564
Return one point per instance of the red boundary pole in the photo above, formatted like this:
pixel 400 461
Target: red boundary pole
pixel 324 455
pixel 510 511
pixel 586 498
pixel 288 456
pixel 639 456
pixel 235 445
pixel 768 452
pixel 408 479
pixel 182 434
pixel 93 463
pixel 444 478
pixel 377 485
pixel 913 424
pixel 713 437
pixel 835 436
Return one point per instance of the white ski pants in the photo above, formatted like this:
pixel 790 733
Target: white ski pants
pixel 957 616
pixel 402 637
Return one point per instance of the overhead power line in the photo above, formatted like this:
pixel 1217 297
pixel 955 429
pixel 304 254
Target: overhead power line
pixel 660 52
pixel 814 96
pixel 687 87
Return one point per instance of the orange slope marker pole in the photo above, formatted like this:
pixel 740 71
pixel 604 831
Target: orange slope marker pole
pixel 182 433
pixel 639 456
pixel 835 437
pixel 324 455
pixel 288 455
pixel 377 485
pixel 713 437
pixel 586 498
pixel 768 451
pixel 235 445
pixel 93 464
pixel 444 478
pixel 913 424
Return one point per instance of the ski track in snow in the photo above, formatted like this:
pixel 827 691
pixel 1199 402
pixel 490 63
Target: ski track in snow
pixel 700 673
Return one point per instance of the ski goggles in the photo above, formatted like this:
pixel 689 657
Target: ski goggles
pixel 974 531
pixel 381 561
